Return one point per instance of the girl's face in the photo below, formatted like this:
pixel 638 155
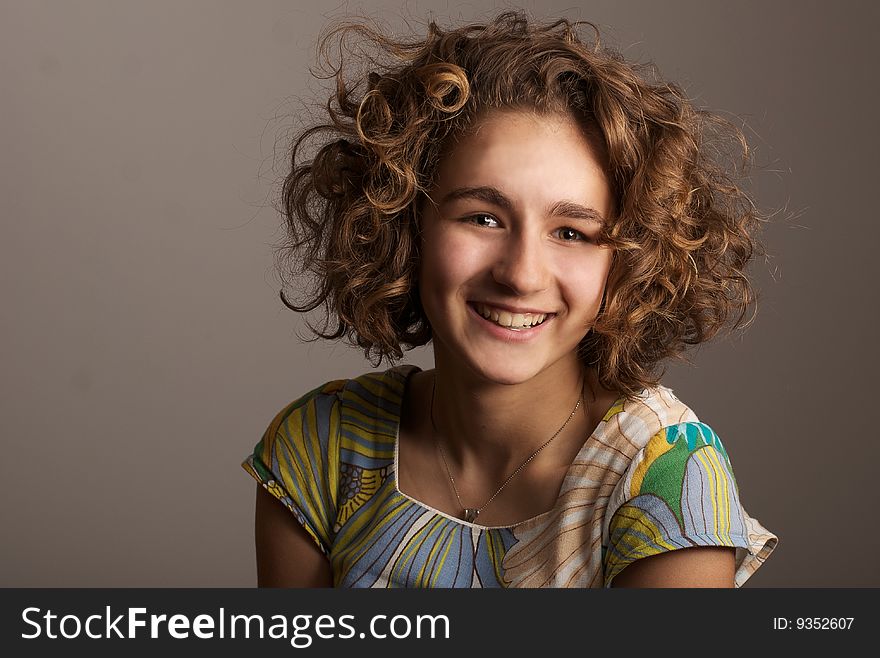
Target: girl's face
pixel 511 277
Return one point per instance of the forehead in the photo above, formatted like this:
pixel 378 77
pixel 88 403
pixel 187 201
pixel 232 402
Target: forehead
pixel 534 158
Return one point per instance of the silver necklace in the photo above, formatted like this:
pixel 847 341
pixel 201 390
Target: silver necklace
pixel 470 514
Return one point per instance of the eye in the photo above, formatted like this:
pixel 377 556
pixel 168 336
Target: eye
pixel 484 220
pixel 567 234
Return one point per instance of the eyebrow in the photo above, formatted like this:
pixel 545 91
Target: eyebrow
pixel 496 197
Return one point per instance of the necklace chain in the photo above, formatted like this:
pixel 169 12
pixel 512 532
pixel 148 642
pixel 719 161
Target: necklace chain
pixel 470 514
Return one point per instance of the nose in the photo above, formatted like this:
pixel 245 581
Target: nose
pixel 522 264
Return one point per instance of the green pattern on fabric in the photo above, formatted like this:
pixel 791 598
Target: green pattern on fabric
pixel 665 477
pixel 331 458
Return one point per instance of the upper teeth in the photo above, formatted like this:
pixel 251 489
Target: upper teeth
pixel 510 320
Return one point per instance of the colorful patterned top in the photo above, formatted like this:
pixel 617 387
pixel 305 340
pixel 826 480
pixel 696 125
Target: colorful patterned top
pixel 651 478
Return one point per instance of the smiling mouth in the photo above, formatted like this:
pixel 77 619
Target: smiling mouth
pixel 508 320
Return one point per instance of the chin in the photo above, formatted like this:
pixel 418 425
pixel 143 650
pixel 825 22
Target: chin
pixel 506 373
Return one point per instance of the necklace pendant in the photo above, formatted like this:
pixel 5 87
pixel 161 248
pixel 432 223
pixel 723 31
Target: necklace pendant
pixel 470 514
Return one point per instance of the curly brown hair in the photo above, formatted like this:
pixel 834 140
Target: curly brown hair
pixel 683 231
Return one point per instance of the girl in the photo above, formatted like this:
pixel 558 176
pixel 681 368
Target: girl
pixel 555 225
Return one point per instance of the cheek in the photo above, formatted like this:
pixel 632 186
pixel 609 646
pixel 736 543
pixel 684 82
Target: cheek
pixel 449 259
pixel 583 282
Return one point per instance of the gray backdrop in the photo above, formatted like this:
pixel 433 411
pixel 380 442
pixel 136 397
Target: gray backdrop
pixel 144 348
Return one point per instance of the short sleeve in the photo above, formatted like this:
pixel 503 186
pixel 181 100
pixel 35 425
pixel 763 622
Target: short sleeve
pixel 679 492
pixel 297 460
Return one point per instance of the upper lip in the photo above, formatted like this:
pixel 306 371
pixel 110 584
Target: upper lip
pixel 513 309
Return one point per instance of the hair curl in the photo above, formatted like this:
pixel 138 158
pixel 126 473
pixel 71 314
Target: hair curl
pixel 683 231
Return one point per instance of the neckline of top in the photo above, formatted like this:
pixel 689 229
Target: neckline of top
pixel 408 371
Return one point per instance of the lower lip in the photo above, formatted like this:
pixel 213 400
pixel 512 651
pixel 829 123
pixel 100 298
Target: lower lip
pixel 510 335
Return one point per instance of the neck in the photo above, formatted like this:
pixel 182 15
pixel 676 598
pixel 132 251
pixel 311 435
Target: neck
pixel 500 425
